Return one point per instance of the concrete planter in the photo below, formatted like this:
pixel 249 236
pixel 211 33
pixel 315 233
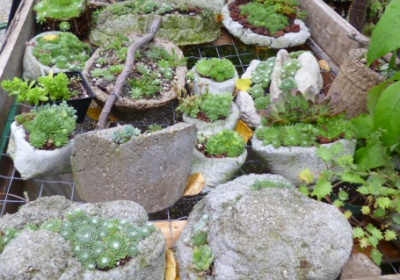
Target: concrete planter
pixel 289 162
pixel 202 84
pixel 216 171
pixel 31 162
pixel 210 128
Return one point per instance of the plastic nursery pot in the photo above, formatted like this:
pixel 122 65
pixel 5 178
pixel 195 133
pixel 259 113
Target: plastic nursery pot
pixel 82 103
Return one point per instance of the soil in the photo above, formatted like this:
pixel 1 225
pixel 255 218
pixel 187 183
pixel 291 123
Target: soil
pixel 234 9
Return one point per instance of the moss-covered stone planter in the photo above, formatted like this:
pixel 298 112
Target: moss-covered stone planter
pixel 182 29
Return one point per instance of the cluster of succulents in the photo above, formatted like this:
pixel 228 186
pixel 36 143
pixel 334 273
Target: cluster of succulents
pixel 306 134
pixel 288 72
pixel 219 69
pixel 261 77
pixel 142 7
pixel 49 125
pixel 125 135
pixel 98 243
pixel 64 51
pixel 263 184
pixel 214 106
pixel 226 142
pixel 58 9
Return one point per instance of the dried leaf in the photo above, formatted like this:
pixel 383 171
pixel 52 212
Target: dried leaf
pixel 195 184
pixel 324 65
pixel 50 37
pixel 244 130
pixel 219 18
pixel 94 114
pixel 243 84
pixel 171 269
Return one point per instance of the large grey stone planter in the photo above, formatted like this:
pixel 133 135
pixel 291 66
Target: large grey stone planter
pixel 202 84
pixel 46 255
pixel 125 106
pixel 289 162
pixel 210 128
pixel 151 169
pixel 216 171
pixel 182 29
pixel 31 162
pixel 249 37
pixel 274 233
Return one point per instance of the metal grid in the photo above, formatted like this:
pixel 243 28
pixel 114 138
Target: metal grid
pixel 14 191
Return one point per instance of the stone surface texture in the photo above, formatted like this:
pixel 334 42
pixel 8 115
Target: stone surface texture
pixel 289 162
pixel 216 171
pixel 210 128
pixel 46 255
pixel 247 109
pixel 181 29
pixel 359 266
pixel 273 233
pixel 151 169
pixel 249 37
pixel 308 78
pixel 31 162
pixel 126 106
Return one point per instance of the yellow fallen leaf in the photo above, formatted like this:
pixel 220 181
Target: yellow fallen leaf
pixel 243 84
pixel 94 114
pixel 195 184
pixel 244 130
pixel 306 176
pixel 50 37
pixel 324 65
pixel 171 269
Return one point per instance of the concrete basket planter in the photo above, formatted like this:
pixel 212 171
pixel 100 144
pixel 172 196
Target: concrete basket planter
pixel 289 162
pixel 31 162
pixel 202 84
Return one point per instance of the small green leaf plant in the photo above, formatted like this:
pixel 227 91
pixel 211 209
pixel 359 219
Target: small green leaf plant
pixel 226 143
pixel 49 126
pixel 58 9
pixel 378 190
pixel 264 184
pixel 126 134
pixel 53 87
pixel 209 107
pixel 218 69
pixel 64 51
pixel 293 120
pixel 98 243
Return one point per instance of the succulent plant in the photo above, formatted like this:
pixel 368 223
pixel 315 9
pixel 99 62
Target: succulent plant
pixel 125 135
pixel 214 106
pixel 49 125
pixel 58 9
pixel 202 257
pixel 226 142
pixel 216 68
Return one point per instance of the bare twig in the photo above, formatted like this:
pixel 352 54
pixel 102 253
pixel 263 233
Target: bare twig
pixel 130 61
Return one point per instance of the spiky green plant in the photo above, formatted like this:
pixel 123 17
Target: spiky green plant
pixel 216 68
pixel 49 125
pixel 214 106
pixel 125 135
pixel 58 9
pixel 226 142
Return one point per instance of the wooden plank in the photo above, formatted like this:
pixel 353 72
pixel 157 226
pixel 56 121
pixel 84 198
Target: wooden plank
pixel 171 230
pixel 330 31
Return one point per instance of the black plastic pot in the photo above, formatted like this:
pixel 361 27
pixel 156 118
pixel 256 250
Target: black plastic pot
pixel 81 105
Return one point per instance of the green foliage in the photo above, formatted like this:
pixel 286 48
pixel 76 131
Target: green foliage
pixel 64 26
pixel 98 243
pixel 58 9
pixel 380 128
pixel 262 102
pixel 384 38
pixel 154 128
pixel 49 125
pixel 216 68
pixel 271 14
pixel 379 190
pixel 125 135
pixel 202 257
pixel 54 87
pixel 261 77
pixel 306 134
pixel 149 7
pixel 226 142
pixel 214 106
pixel 263 184
pixel 64 51
pixel 290 68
